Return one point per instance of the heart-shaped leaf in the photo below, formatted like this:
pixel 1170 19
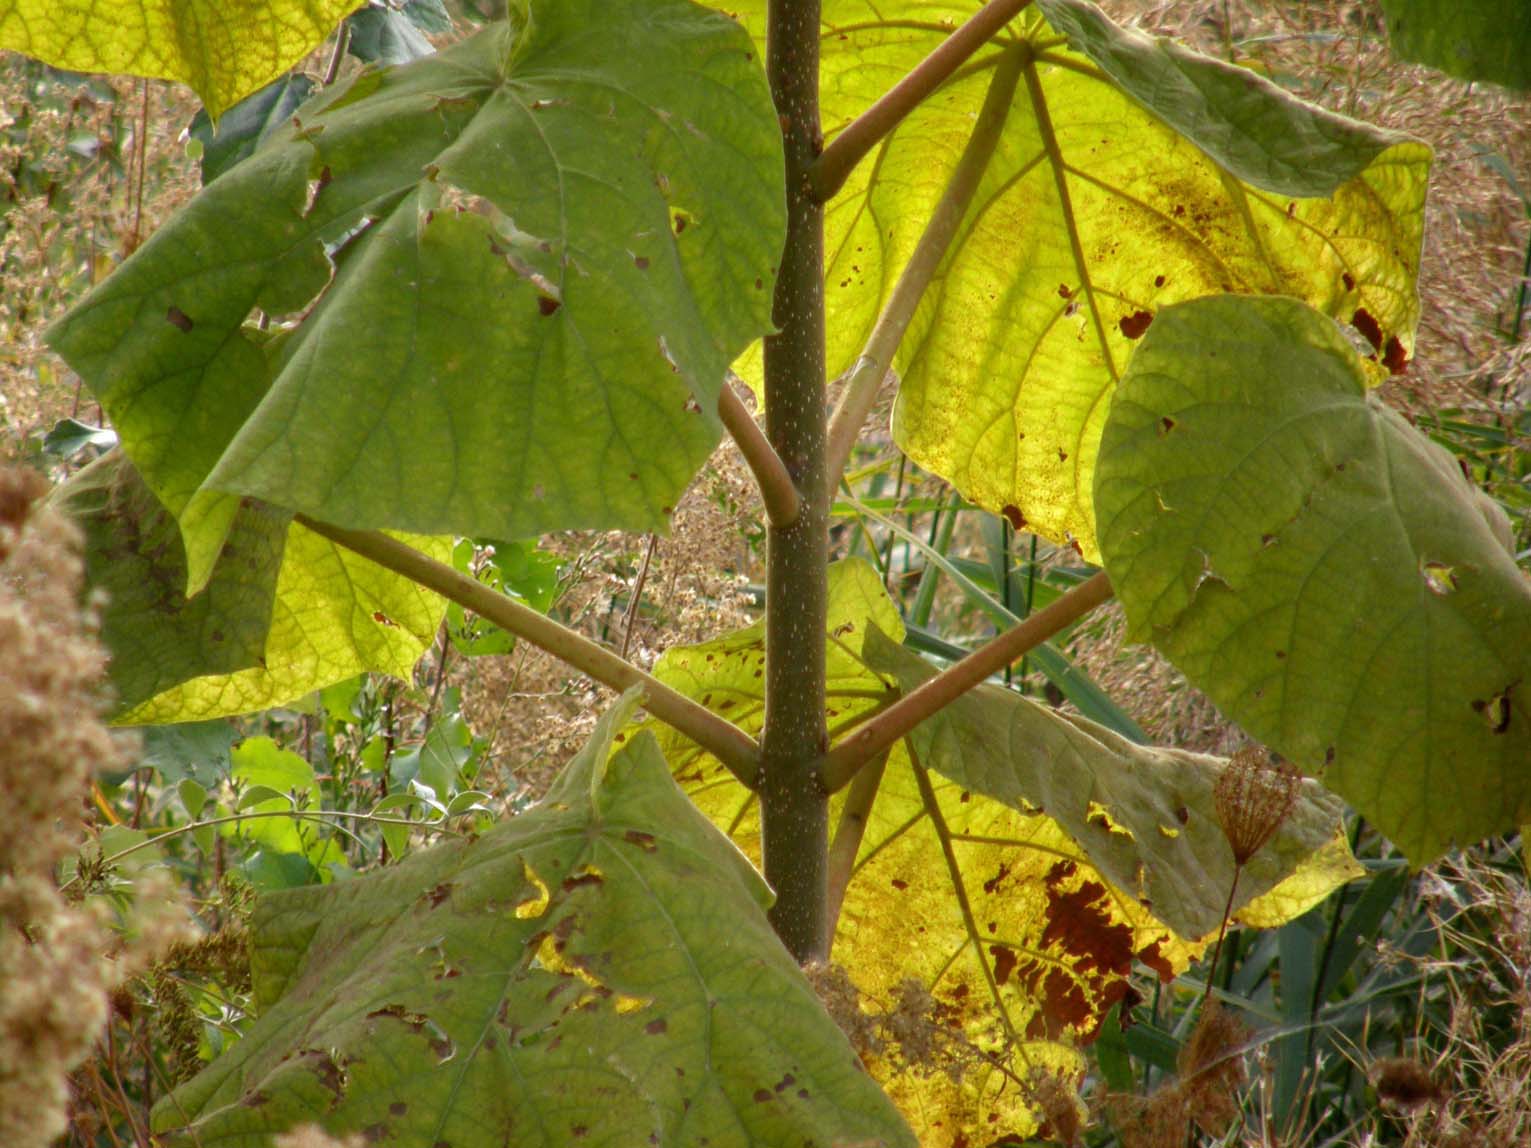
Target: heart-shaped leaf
pixel 1130 174
pixel 1321 569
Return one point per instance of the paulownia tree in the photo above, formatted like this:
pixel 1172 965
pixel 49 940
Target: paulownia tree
pixel 1135 299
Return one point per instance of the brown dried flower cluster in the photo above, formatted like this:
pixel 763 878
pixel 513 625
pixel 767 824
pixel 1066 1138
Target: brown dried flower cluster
pixel 1205 1093
pixel 1252 797
pixel 55 977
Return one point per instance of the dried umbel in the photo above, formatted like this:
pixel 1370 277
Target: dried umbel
pixel 1252 798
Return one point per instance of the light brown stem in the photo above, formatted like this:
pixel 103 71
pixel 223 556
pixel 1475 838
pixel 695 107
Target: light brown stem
pixel 846 150
pixel 724 740
pixel 849 833
pixel 867 375
pixel 841 764
pixel 777 490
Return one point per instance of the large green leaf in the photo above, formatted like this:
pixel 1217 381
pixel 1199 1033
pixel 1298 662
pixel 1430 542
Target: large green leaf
pixel 1021 934
pixel 505 283
pixel 1472 39
pixel 1322 570
pixel 225 49
pixel 1130 174
pixel 597 971
pixel 284 613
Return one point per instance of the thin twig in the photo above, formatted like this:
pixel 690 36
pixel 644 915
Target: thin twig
pixel 877 357
pixel 632 606
pixel 342 42
pixel 841 764
pixel 846 150
pixel 777 490
pixel 724 740
pixel 141 166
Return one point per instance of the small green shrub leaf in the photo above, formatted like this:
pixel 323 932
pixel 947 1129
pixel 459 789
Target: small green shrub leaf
pixel 494 279
pixel 225 49
pixel 596 971
pixel 1322 570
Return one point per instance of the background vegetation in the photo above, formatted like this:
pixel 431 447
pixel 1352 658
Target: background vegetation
pixel 1399 1012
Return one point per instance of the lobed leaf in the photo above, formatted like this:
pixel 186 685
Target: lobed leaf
pixel 1321 569
pixel 494 279
pixel 596 971
pixel 224 49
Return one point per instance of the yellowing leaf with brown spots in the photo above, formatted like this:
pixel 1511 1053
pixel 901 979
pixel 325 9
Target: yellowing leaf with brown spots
pixel 223 49
pixel 994 936
pixel 1130 174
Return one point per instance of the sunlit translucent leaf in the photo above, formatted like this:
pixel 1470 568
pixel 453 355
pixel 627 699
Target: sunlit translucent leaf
pixel 1315 877
pixel 1009 365
pixel 1473 39
pixel 286 612
pixel 597 971
pixel 1321 569
pixel 1022 943
pixel 225 49
pixel 496 278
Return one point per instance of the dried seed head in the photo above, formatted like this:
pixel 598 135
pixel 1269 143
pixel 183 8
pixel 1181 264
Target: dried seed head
pixel 842 1000
pixel 1405 1083
pixel 1253 797
pixel 1058 1099
pixel 1157 1121
pixel 1212 1068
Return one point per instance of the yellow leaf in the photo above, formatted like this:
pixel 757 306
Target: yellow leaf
pixel 224 49
pixel 1316 877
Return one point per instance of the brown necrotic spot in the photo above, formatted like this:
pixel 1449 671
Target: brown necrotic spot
pixel 1135 324
pixel 642 840
pixel 1394 357
pixel 1004 962
pixel 546 305
pixel 178 318
pixel 1014 516
pixel 1365 322
pixel 655 1027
